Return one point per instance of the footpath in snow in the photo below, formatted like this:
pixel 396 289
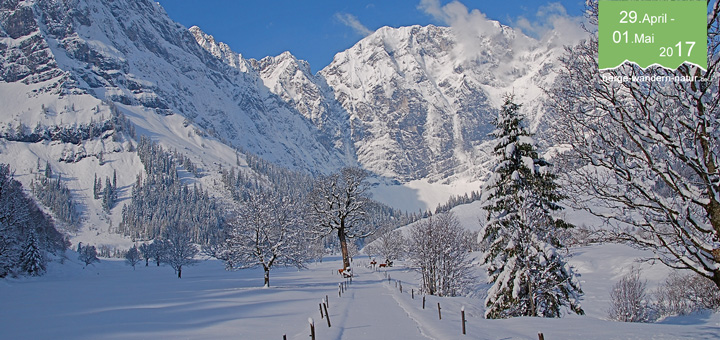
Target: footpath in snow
pixel 367 310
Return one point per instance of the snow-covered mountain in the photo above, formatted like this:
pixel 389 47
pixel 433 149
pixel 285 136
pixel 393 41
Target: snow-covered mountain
pixel 409 103
pixel 132 53
pixel 412 101
pixel 421 106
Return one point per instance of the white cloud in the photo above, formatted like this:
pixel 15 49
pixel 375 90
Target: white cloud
pixel 471 27
pixel 552 22
pixel 353 22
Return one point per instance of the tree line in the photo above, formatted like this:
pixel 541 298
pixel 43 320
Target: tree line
pixel 27 234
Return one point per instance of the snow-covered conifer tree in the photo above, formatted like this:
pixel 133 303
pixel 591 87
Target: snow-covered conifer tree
pixel 529 277
pixel 97 187
pixel 108 196
pixel 32 260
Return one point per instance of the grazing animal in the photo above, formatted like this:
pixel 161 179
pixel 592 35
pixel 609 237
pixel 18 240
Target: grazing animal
pixel 382 265
pixel 345 273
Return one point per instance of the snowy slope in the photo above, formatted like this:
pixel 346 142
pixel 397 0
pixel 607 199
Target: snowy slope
pixel 110 300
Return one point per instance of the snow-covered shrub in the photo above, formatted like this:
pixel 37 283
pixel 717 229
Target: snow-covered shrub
pixel 629 300
pixel 686 294
pixel 437 249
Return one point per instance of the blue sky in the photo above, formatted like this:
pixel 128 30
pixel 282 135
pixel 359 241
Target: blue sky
pixel 316 30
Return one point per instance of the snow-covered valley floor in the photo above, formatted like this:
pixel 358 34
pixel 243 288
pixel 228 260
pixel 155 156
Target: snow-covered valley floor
pixel 110 300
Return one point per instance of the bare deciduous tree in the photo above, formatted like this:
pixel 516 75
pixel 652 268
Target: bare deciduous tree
pixel 338 203
pixel 132 257
pixel 644 154
pixel 179 250
pixel 267 232
pixel 436 247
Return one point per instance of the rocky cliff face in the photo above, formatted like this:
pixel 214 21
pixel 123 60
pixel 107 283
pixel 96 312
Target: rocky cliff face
pixel 130 52
pixel 422 103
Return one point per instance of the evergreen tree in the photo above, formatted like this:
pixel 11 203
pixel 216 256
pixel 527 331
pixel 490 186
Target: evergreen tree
pixel 108 195
pixel 529 277
pixel 97 188
pixel 26 233
pixel 33 260
pixel 48 170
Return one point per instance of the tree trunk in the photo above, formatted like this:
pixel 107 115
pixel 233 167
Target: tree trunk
pixel 343 247
pixel 179 272
pixel 267 276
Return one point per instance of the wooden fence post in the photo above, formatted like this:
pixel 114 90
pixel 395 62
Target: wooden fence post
pixel 327 316
pixel 312 328
pixel 541 336
pixel 321 310
pixel 412 293
pixel 284 336
pixel 439 313
pixel 462 313
pixel 423 301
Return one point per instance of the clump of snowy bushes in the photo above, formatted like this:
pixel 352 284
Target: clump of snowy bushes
pixel 683 294
pixel 680 294
pixel 629 301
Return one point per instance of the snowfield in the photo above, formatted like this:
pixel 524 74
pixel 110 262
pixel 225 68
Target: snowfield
pixel 110 300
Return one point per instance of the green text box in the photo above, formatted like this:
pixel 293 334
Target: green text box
pixel 667 33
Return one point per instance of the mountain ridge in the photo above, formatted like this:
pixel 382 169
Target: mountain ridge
pixel 408 104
